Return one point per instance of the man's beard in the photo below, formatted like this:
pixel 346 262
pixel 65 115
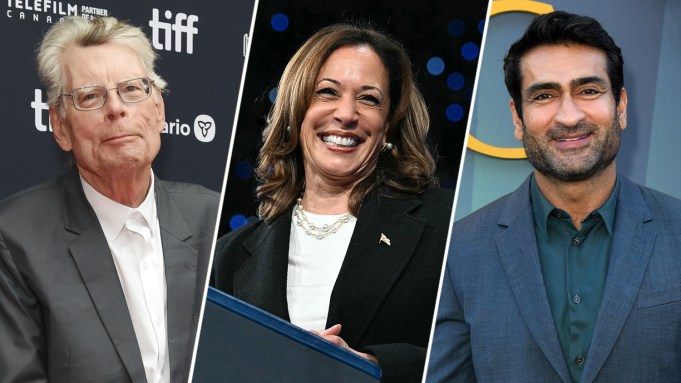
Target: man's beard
pixel 566 168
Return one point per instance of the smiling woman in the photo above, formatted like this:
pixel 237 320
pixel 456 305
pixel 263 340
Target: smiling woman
pixel 353 228
pixel 345 124
pixel 343 50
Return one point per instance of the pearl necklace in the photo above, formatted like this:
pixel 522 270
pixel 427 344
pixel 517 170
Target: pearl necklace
pixel 314 231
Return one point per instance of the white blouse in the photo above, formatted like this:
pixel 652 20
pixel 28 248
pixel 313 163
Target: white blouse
pixel 313 266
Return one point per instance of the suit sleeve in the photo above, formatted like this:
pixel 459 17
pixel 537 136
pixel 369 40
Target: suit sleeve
pixel 221 273
pixel 450 354
pixel 399 362
pixel 22 344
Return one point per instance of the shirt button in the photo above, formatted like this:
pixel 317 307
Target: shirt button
pixel 579 360
pixel 576 299
pixel 575 242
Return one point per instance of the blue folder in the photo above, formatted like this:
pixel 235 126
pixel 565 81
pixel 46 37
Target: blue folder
pixel 241 343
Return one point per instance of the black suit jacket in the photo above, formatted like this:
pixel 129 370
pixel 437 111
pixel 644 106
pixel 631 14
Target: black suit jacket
pixel 384 296
pixel 63 315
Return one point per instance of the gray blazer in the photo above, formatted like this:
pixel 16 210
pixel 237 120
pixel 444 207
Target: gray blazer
pixel 63 315
pixel 494 323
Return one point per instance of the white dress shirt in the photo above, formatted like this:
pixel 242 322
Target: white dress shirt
pixel 134 237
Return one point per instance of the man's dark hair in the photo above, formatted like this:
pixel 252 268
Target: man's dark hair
pixel 562 28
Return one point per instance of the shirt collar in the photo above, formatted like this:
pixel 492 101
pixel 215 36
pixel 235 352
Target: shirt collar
pixel 112 215
pixel 541 208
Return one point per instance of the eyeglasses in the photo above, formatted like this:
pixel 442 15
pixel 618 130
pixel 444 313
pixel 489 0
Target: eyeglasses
pixel 94 97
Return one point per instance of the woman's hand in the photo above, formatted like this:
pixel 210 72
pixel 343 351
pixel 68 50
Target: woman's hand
pixel 332 334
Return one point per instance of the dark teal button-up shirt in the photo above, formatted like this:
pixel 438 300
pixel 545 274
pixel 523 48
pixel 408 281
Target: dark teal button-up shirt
pixel 574 266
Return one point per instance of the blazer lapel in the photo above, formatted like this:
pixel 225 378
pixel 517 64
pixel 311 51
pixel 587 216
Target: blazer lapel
pixel 371 266
pixel 184 294
pixel 95 264
pixel 261 280
pixel 632 246
pixel 517 246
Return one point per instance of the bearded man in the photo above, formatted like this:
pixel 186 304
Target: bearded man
pixel 576 275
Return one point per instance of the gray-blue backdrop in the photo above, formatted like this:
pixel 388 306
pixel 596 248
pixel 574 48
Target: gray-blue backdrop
pixel 649 34
pixel 201 47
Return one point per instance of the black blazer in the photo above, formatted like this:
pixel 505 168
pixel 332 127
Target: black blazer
pixel 63 315
pixel 384 296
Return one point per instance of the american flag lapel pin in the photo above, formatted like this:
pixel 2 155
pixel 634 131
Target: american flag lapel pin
pixel 384 239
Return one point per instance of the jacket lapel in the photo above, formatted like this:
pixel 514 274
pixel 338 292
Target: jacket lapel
pixel 183 293
pixel 632 246
pixel 95 264
pixel 517 246
pixel 261 280
pixel 371 266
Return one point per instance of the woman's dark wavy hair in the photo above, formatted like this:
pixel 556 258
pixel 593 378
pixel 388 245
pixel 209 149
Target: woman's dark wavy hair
pixel 562 28
pixel 407 168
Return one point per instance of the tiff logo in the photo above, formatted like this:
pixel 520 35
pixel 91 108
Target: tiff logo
pixel 184 25
pixel 39 106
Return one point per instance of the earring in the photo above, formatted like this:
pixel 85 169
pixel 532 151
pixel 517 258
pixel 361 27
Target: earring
pixel 288 129
pixel 387 146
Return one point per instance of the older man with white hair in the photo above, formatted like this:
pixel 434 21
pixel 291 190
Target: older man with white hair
pixel 102 270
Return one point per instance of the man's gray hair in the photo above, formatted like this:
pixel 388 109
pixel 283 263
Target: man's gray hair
pixel 77 31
